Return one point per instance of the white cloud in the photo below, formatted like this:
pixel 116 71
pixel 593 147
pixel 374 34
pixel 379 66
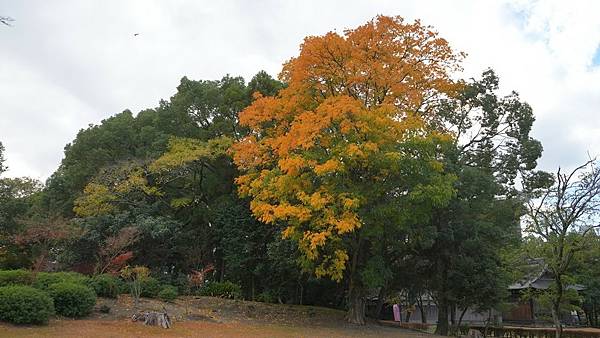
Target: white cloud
pixel 66 64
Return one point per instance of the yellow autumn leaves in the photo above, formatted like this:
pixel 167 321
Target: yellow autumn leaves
pixel 328 146
pixel 102 197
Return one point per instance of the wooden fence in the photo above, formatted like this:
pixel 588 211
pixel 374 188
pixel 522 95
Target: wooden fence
pixel 533 332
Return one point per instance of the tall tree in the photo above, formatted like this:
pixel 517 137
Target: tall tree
pixel 589 275
pixel 492 152
pixel 564 217
pixel 348 143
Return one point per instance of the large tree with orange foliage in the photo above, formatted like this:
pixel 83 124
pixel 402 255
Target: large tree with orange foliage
pixel 348 154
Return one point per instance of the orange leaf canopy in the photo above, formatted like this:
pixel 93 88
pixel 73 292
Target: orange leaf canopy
pixel 331 142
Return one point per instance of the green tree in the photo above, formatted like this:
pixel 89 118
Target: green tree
pixel 492 152
pixel 345 155
pixel 563 216
pixel 589 276
pixel 17 198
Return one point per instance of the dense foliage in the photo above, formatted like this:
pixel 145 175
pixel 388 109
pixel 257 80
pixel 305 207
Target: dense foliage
pixel 25 305
pixel 72 300
pixel 168 293
pixel 105 285
pixel 44 280
pixel 15 277
pixel 222 289
pixel 368 169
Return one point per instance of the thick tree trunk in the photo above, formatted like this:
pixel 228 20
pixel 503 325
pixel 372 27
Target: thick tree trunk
pixel 356 307
pixel 356 293
pixel 442 320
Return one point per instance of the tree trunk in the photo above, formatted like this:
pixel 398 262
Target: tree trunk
pixel 252 288
pixel 556 320
pixel 356 293
pixel 595 313
pixel 462 314
pixel 442 320
pixel 556 306
pixel 422 309
pixel 356 307
pixel 379 307
pixel 301 293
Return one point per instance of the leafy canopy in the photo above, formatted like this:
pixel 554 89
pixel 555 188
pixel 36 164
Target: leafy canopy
pixel 352 127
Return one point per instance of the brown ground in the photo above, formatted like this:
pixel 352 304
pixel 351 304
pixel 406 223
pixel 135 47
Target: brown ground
pixel 209 317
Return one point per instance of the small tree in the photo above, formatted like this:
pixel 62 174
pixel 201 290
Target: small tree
pixel 42 237
pixel 134 276
pixel 563 217
pixel 113 254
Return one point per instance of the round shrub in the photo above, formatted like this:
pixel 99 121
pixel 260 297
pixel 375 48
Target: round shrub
pixel 72 300
pixel 150 287
pixel 168 293
pixel 25 305
pixel 43 280
pixel 15 277
pixel 222 289
pixel 105 285
pixel 123 287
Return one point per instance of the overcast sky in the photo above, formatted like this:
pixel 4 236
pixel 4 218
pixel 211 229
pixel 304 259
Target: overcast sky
pixel 67 64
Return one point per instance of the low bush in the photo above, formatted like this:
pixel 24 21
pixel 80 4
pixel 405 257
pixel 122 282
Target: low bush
pixel 168 293
pixel 222 289
pixel 72 300
pixel 123 287
pixel 43 280
pixel 105 285
pixel 15 277
pixel 150 287
pixel 266 297
pixel 25 305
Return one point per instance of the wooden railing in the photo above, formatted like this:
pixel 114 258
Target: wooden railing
pixel 532 332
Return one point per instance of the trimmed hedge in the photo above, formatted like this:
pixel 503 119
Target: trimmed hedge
pixel 72 300
pixel 150 287
pixel 44 280
pixel 25 305
pixel 222 289
pixel 15 277
pixel 168 293
pixel 105 285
